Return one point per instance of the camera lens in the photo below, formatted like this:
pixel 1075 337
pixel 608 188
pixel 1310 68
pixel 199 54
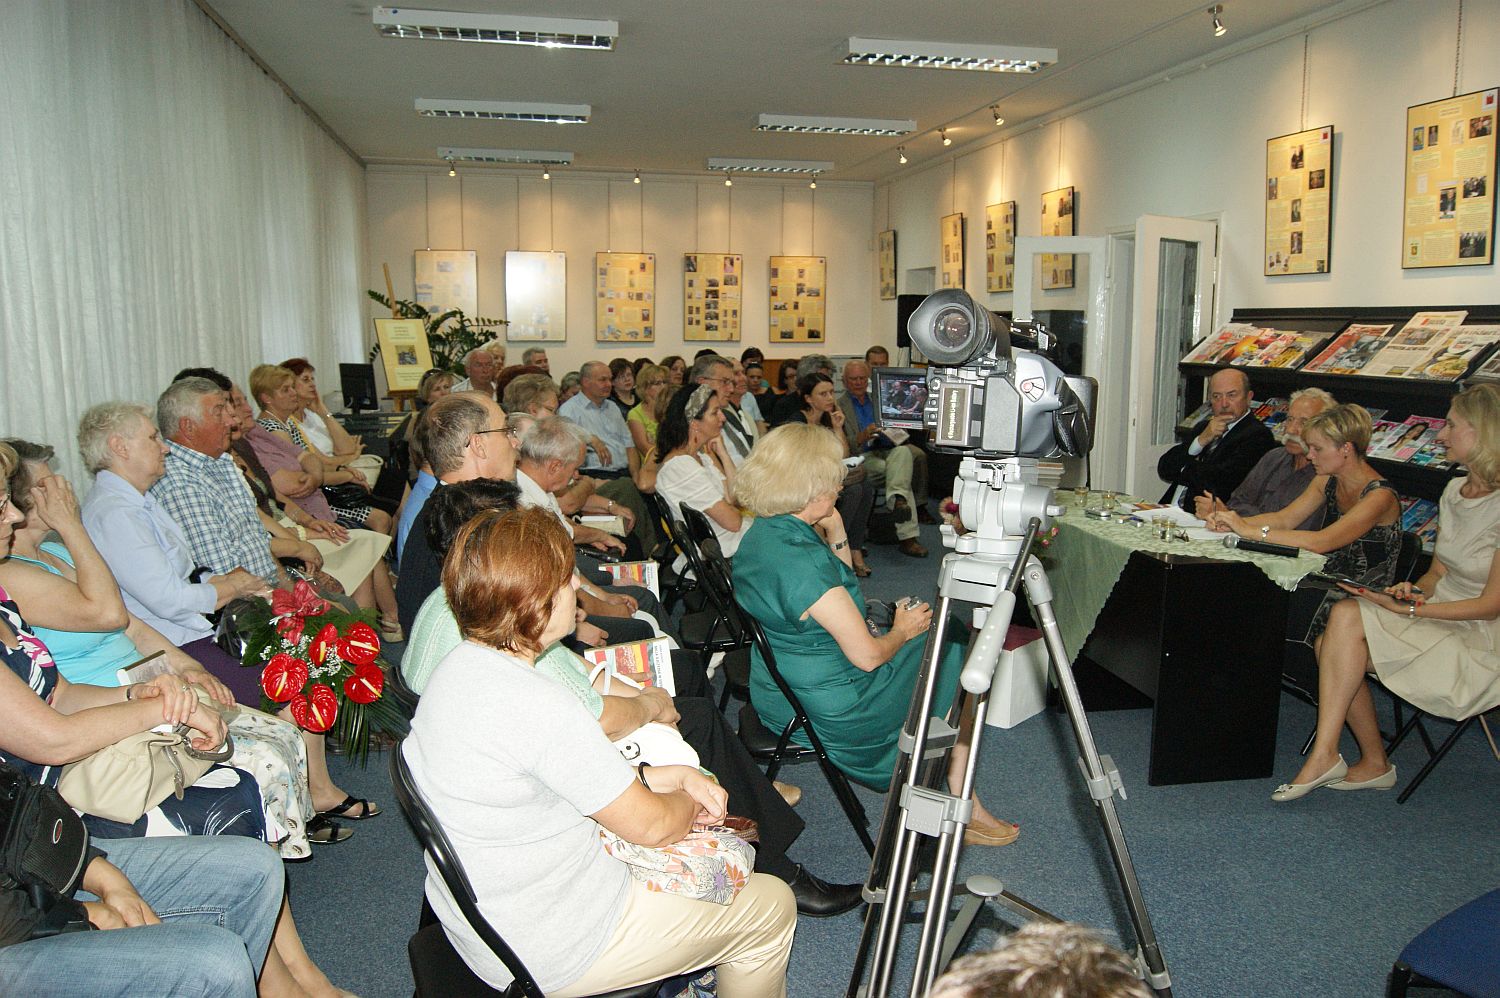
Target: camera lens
pixel 952 328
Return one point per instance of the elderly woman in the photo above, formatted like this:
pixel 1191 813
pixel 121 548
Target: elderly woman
pixel 794 575
pixel 695 467
pixel 571 384
pixel 1433 642
pixel 521 776
pixel 857 498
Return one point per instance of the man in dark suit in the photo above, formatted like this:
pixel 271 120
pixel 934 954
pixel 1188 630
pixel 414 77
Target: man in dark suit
pixel 1223 447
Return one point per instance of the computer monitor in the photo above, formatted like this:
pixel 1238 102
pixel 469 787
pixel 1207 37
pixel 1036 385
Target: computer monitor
pixel 357 381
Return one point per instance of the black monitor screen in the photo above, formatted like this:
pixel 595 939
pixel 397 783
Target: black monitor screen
pixel 357 382
pixel 901 396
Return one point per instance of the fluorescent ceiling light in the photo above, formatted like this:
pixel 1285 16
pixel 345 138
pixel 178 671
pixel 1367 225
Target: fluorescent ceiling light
pixel 769 165
pixel 941 55
pixel 560 114
pixel 834 126
pixel 547 32
pixel 507 156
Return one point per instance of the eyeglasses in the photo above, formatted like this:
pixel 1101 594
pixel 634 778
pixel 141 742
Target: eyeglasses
pixel 4 503
pixel 509 431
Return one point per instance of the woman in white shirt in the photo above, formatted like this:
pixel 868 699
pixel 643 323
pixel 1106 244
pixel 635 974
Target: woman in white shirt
pixel 695 467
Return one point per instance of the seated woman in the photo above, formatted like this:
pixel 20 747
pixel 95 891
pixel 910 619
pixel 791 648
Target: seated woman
pixel 643 419
pixel 1361 533
pixel 1433 642
pixel 622 381
pixel 793 574
pixel 521 776
pixel 323 433
pixel 435 384
pixel 676 370
pixel 695 468
pixel 857 497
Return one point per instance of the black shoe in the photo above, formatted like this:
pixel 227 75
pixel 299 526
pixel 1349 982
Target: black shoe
pixel 925 516
pixel 820 899
pixel 900 509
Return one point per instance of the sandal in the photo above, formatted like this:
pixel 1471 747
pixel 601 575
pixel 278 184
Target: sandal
pixel 325 831
pixel 746 828
pixel 346 809
pixel 862 571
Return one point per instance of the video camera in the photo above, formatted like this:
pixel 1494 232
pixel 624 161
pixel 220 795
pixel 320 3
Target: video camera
pixel 981 396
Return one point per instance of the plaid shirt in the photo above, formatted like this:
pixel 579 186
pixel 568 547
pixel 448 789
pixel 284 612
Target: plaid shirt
pixel 210 501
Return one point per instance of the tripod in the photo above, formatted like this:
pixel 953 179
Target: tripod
pixel 988 570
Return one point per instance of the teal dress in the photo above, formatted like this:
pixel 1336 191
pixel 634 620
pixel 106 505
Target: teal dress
pixel 781 569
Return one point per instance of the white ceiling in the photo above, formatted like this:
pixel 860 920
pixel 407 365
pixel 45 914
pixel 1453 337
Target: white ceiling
pixel 687 78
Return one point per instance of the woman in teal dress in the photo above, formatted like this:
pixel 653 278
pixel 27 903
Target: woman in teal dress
pixel 793 574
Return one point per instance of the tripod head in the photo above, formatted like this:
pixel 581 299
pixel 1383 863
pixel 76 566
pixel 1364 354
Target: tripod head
pixel 997 499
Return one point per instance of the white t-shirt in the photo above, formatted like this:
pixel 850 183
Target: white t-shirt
pixel 697 482
pixel 314 432
pixel 512 765
pixel 533 494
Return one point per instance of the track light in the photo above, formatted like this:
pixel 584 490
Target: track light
pixel 546 173
pixel 944 133
pixel 452 170
pixel 728 179
pixel 901 155
pixel 1215 12
pixel 999 118
pixel 638 176
pixel 812 183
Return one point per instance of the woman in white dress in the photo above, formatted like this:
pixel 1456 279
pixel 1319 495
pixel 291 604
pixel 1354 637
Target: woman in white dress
pixel 1435 642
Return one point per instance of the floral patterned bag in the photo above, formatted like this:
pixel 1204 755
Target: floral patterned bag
pixel 710 863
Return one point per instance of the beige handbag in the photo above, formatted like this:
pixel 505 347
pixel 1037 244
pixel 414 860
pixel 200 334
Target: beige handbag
pixel 123 781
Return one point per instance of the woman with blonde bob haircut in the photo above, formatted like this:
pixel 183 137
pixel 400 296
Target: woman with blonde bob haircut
pixel 522 777
pixel 793 573
pixel 1434 642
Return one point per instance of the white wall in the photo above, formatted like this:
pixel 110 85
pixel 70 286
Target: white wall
pixel 492 211
pixel 1195 146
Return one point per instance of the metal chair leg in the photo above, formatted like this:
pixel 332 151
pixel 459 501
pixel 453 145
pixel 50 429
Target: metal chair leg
pixel 1437 757
pixel 1401 976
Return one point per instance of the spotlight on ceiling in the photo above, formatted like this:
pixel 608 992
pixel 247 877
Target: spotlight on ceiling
pixel 1216 13
pixel 452 171
pixel 999 118
pixel 813 183
pixel 901 155
pixel 944 133
pixel 638 176
pixel 728 179
pixel 546 173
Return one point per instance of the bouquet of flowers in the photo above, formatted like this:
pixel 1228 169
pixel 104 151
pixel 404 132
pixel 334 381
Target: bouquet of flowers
pixel 323 664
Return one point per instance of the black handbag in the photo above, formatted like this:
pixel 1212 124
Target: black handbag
pixel 44 848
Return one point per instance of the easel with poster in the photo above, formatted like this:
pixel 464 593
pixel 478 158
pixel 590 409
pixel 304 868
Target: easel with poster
pixel 712 293
pixel 404 354
pixel 1000 247
pixel 1449 212
pixel 1299 199
pixel 951 228
pixel 624 297
pixel 1059 218
pixel 798 299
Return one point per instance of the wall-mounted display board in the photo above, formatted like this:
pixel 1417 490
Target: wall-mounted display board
pixel 1299 199
pixel 624 297
pixel 1000 246
pixel 1450 182
pixel 536 297
pixel 887 253
pixel 799 302
pixel 1059 217
pixel 711 296
pixel 951 228
pixel 446 279
pixel 403 352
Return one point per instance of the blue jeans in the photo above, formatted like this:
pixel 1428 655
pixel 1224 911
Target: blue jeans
pixel 218 898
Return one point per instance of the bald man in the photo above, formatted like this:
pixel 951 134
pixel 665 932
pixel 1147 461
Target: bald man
pixel 1223 448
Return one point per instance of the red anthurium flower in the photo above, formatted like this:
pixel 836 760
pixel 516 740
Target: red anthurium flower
pixel 365 685
pixel 316 709
pixel 283 677
pixel 302 601
pixel 290 629
pixel 325 642
pixel 360 644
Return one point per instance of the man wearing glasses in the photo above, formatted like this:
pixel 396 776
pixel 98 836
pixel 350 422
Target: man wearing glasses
pixel 1222 449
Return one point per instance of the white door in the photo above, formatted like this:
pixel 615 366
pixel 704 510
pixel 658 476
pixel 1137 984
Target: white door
pixel 1176 266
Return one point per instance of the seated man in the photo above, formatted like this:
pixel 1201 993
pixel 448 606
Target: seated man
pixel 480 368
pixel 1283 474
pixel 896 466
pixel 1222 449
pixel 610 445
pixel 551 452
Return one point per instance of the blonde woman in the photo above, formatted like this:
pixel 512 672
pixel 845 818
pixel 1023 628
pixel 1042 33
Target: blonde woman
pixel 652 388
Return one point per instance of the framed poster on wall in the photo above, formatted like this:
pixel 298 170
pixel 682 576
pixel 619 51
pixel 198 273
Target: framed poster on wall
pixel 1059 218
pixel 1000 247
pixel 1299 202
pixel 951 228
pixel 446 279
pixel 1449 211
pixel 711 296
pixel 886 243
pixel 798 299
pixel 624 297
pixel 404 352
pixel 536 297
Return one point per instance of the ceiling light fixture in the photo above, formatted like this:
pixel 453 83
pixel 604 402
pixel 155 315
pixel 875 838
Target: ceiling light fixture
pixel 770 165
pixel 638 176
pixel 452 170
pixel 503 110
pixel 535 156
pixel 1215 12
pixel 817 124
pixel 940 55
pixel 546 173
pixel 944 133
pixel 728 179
pixel 999 118
pixel 813 183
pixel 545 32
pixel 901 155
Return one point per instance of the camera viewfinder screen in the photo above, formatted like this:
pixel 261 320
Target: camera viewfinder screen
pixel 901 395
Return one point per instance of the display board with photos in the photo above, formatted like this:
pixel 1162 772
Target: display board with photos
pixel 712 295
pixel 951 232
pixel 1059 218
pixel 886 243
pixel 624 297
pixel 1299 200
pixel 536 296
pixel 1449 210
pixel 404 352
pixel 798 296
pixel 1000 247
pixel 446 279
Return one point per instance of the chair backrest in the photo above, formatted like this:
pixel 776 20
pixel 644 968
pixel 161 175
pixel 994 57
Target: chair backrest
pixel 435 843
pixel 719 584
pixel 1406 558
pixel 757 635
pixel 696 521
pixel 661 513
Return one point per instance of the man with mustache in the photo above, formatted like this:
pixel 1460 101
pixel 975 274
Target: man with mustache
pixel 1283 473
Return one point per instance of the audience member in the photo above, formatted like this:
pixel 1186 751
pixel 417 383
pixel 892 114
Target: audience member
pixel 622 381
pixel 480 368
pixel 789 407
pixel 899 467
pixel 551 452
pixel 642 420
pixel 434 385
pixel 786 380
pixel 570 385
pixel 820 408
pixel 1044 960
pixel 537 357
pixel 593 410
pixel 536 394
pixel 696 469
pixel 1283 474
pixel 323 433
pixel 877 356
pixel 755 374
pixel 1222 449
pixel 676 370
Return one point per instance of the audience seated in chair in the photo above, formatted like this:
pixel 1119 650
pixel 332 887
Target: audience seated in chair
pixel 696 468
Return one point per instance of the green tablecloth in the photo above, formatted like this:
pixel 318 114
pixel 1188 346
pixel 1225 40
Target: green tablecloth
pixel 1087 556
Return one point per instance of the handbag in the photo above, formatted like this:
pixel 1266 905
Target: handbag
pixel 710 863
pixel 44 849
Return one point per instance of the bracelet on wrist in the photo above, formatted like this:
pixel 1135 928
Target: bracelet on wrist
pixel 129 692
pixel 640 773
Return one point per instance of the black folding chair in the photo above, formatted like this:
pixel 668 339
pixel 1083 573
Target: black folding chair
pixel 435 966
pixel 675 587
pixel 719 587
pixel 718 627
pixel 1434 756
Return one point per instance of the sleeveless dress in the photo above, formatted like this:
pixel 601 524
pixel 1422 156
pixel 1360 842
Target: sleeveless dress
pixel 347 514
pixel 1446 667
pixel 1370 559
pixel 782 568
pixel 225 802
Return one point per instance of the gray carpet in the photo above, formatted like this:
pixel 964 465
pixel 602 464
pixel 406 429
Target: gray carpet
pixel 1247 897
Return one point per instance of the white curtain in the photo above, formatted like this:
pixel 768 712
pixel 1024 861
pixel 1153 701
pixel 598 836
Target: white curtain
pixel 162 205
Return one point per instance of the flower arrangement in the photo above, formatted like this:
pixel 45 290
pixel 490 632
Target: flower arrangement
pixel 322 664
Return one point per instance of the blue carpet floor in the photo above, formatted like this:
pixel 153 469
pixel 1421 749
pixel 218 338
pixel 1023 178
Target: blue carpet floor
pixel 1247 897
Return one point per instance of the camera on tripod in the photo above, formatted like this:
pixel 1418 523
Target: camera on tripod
pixel 980 395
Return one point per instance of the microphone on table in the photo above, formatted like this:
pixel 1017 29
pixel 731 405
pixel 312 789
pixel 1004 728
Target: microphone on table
pixel 1262 547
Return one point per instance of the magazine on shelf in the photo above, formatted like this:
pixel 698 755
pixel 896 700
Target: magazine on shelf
pixel 1489 370
pixel 1450 357
pixel 1418 431
pixel 638 663
pixel 1212 348
pixel 1291 349
pixel 1403 354
pixel 635 573
pixel 1193 418
pixel 1351 350
pixel 1428 533
pixel 1431 455
pixel 1258 348
pixel 1383 435
pixel 1416 512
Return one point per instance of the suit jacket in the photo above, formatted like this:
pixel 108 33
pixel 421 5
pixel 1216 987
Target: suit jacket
pixel 1219 468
